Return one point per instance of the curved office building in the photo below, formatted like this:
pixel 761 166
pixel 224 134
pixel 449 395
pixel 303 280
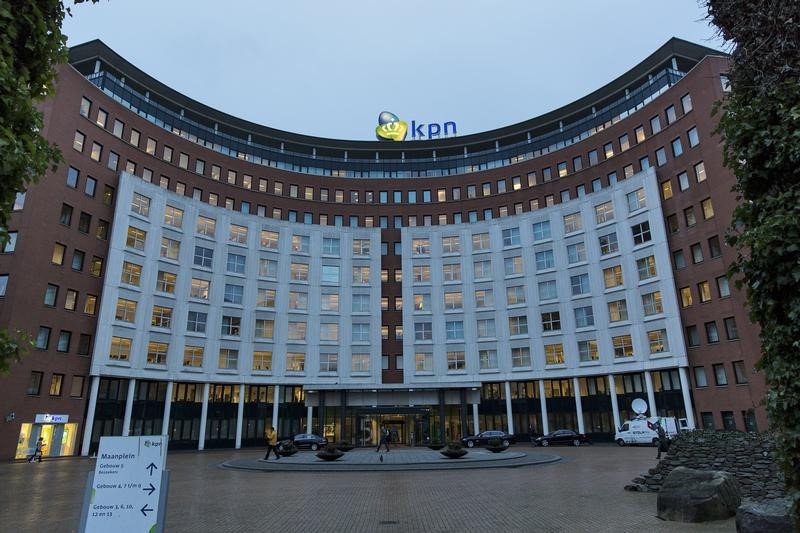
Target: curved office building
pixel 189 273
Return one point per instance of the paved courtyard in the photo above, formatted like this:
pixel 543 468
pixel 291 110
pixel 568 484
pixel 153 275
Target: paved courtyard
pixel 580 492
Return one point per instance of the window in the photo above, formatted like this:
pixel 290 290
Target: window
pixel 161 317
pixel 704 290
pixel 231 325
pixel 196 322
pixel 482 269
pixel 43 338
pixel 677 147
pixel 330 246
pixel 236 263
pixel 587 350
pixel 64 338
pixel 697 253
pixel 78 140
pixel 720 377
pixel 739 372
pixel 71 301
pixel 421 274
pixel 486 328
pixel 420 246
pixel 723 288
pixel 652 304
pixel 655 125
pixel 608 244
pixel 576 253
pixel 700 378
pixel 511 237
pixel 360 333
pixel 714 248
pixel 66 215
pixel 708 209
pixel 90 306
pixel 666 190
pixel 641 233
pixel 617 311
pixel 579 284
pixel 480 242
pixel 700 172
pixel 551 321
pixel 646 267
pixel 520 357
pixel 623 346
pixel 361 246
pixel 423 362
pixel 573 222
pixel 56 380
pixel 554 354
pixel 484 298
pixel 454 330
pixel 731 331
pixel 165 282
pixel 360 274
pixel 453 301
pixel 584 317
pixel 544 260
pixel 562 169
pixel 238 234
pixel 262 360
pixel 157 353
pixel 661 157
pixel 692 336
pixel 612 276
pixel 298 300
pixel 301 243
pixel 604 212
pixel 694 137
pixel 97 152
pixel 686 297
pixel 229 359
pixel 76 387
pixel 541 230
pixel 518 325
pixel 136 238
pixel 203 257
pixel 84 222
pixel 265 298
pixel 264 329
pixel 170 248
pixel 658 341
pixel 636 200
pixel 199 289
pixel 233 294
pixel 488 359
pixel 712 334
pixel 423 331
pixel 451 272
pixel 547 291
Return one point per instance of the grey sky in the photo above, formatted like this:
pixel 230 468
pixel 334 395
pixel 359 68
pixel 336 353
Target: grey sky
pixel 327 68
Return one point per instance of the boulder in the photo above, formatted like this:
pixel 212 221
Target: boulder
pixel 769 515
pixel 689 495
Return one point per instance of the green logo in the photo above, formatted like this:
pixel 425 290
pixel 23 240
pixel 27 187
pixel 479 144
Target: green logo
pixel 390 127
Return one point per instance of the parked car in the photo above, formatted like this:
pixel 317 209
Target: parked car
pixel 309 440
pixel 484 437
pixel 562 436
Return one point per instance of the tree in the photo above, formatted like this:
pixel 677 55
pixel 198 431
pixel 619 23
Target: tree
pixel 31 45
pixel 760 126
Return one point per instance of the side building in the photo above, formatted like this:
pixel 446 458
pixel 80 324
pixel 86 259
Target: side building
pixel 225 276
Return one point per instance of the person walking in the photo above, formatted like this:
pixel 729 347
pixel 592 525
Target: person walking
pixel 663 440
pixel 272 443
pixel 37 452
pixel 384 439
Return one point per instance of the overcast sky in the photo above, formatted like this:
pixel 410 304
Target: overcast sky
pixel 328 68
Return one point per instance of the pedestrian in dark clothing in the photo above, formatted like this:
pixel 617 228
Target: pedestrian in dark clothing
pixel 384 439
pixel 663 440
pixel 37 452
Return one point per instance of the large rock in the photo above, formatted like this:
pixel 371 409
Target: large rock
pixel 689 495
pixel 771 515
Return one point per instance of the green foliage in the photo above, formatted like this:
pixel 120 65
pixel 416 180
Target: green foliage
pixel 31 44
pixel 12 348
pixel 761 129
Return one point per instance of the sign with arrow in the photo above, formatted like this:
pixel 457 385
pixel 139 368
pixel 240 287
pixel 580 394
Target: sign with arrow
pixel 128 488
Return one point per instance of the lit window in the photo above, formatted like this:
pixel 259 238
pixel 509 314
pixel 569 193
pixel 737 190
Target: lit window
pixel 623 346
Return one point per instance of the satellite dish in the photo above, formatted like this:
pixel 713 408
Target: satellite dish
pixel 639 406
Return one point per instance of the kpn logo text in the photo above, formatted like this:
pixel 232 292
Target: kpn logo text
pixel 391 128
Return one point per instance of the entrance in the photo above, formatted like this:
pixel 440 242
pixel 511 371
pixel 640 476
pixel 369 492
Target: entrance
pixel 59 439
pixel 407 426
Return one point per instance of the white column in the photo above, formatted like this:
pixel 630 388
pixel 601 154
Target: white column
pixel 687 399
pixel 275 399
pixel 614 407
pixel 475 425
pixel 651 395
pixel 167 409
pixel 509 415
pixel 543 403
pixel 126 422
pixel 576 385
pixel 201 444
pixel 240 417
pixel 309 418
pixel 87 431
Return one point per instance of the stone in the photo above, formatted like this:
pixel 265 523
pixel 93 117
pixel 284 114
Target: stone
pixel 689 495
pixel 769 515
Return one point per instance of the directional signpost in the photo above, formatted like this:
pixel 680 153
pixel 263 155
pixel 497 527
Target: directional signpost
pixel 128 489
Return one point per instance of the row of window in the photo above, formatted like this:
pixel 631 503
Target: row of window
pixel 84 222
pixel 42 341
pixel 720 374
pixel 56 385
pixel 712 332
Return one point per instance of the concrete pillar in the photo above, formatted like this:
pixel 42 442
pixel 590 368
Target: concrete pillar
pixel 167 409
pixel 578 405
pixel 275 401
pixel 87 431
pixel 614 406
pixel 201 444
pixel 509 414
pixel 543 403
pixel 687 399
pixel 475 424
pixel 309 419
pixel 240 417
pixel 651 395
pixel 126 422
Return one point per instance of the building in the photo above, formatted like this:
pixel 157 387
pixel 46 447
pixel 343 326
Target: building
pixel 191 273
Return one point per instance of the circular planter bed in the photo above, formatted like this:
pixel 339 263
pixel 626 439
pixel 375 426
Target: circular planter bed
pixel 344 446
pixel 435 446
pixel 454 454
pixel 497 449
pixel 287 453
pixel 329 454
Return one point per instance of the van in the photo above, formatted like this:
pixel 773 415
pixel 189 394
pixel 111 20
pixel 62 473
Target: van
pixel 643 430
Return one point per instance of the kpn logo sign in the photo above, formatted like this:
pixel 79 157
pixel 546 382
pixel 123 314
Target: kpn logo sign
pixel 391 128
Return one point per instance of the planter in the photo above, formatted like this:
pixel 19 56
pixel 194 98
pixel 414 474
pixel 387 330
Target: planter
pixel 435 446
pixel 496 449
pixel 287 453
pixel 344 446
pixel 454 454
pixel 329 456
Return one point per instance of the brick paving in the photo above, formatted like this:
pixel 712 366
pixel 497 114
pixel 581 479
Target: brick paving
pixel 582 492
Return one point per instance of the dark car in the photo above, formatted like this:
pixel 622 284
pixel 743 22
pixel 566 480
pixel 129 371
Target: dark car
pixel 562 436
pixel 309 440
pixel 484 437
